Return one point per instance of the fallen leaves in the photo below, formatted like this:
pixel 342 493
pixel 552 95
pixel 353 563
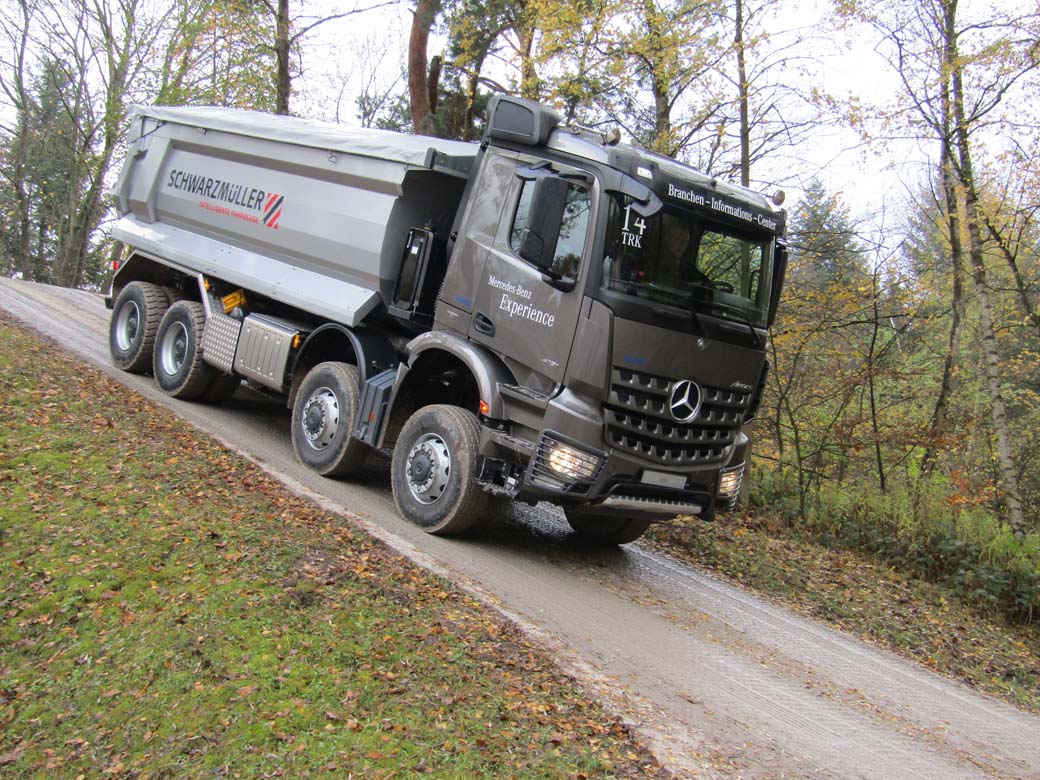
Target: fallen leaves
pixel 171 609
pixel 13 754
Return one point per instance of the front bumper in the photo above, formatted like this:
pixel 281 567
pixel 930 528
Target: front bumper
pixel 571 465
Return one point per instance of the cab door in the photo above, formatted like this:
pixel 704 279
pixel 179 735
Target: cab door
pixel 524 314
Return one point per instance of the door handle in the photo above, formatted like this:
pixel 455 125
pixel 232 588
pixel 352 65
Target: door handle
pixel 483 324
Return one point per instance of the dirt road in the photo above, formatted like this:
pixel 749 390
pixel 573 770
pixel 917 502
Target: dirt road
pixel 723 684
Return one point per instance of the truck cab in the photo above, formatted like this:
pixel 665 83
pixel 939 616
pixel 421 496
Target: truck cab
pixel 629 297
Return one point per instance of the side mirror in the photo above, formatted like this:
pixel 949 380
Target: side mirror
pixel 779 271
pixel 539 238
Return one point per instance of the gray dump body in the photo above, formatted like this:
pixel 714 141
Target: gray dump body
pixel 310 213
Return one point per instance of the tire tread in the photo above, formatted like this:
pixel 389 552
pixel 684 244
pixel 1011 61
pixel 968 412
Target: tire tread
pixel 354 451
pixel 471 505
pixel 200 374
pixel 154 300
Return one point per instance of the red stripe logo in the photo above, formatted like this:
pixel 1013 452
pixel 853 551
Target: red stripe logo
pixel 273 210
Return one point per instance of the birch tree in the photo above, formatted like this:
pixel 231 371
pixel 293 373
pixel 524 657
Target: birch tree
pixel 957 75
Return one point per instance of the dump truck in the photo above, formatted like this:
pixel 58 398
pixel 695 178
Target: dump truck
pixel 546 315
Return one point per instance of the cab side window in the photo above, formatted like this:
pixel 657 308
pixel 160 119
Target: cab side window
pixel 573 230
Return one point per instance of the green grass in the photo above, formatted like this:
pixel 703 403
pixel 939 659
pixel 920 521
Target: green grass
pixel 869 598
pixel 167 610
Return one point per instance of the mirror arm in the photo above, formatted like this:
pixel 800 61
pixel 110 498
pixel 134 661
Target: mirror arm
pixel 532 172
pixel 561 284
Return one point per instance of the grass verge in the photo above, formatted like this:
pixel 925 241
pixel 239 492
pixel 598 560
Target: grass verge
pixel 867 598
pixel 168 610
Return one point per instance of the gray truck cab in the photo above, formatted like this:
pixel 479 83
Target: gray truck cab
pixel 630 298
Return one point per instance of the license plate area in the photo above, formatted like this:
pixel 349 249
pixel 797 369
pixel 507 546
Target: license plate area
pixel 663 479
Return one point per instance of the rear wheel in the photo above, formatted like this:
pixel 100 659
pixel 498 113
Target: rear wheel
pixel 135 321
pixel 606 529
pixel 178 366
pixel 323 418
pixel 434 468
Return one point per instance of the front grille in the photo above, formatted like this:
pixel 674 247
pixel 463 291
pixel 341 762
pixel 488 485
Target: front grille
pixel 638 420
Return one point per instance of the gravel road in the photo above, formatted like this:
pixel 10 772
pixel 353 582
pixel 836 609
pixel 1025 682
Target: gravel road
pixel 721 683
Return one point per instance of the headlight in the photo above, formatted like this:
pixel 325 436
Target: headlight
pixel 571 463
pixel 729 482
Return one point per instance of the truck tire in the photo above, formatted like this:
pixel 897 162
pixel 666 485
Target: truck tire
pixel 173 294
pixel 605 529
pixel 135 320
pixel 323 418
pixel 434 468
pixel 178 367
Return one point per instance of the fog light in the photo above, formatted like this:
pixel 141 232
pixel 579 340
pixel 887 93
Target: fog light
pixel 729 482
pixel 571 463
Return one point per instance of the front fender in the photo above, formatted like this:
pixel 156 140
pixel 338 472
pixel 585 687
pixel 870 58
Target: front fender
pixel 487 369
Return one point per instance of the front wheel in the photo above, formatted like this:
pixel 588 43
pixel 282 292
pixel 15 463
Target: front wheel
pixel 323 418
pixel 606 529
pixel 433 472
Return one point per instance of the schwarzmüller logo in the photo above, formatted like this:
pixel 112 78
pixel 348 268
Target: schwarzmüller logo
pixel 684 402
pixel 232 199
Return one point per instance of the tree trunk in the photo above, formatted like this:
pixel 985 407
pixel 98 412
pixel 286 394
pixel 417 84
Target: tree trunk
pixel 529 85
pixel 658 85
pixel 283 82
pixel 1010 257
pixel 471 96
pixel 20 145
pixel 937 426
pixel 433 81
pixel 24 262
pixel 872 385
pixel 742 81
pixel 1006 462
pixel 418 76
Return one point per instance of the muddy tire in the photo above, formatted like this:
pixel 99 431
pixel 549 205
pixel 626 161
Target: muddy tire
pixel 135 321
pixel 323 418
pixel 177 366
pixel 433 471
pixel 605 529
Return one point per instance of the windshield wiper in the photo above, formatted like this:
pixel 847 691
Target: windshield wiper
pixel 735 310
pixel 676 297
pixel 691 307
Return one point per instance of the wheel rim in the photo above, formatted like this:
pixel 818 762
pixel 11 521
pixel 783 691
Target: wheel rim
pixel 173 349
pixel 128 322
pixel 320 418
pixel 428 468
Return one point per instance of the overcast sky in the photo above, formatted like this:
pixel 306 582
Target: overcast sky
pixel 344 54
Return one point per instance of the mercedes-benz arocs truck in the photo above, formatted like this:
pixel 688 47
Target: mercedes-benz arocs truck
pixel 548 315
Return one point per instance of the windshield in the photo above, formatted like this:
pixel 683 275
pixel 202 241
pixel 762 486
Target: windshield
pixel 677 258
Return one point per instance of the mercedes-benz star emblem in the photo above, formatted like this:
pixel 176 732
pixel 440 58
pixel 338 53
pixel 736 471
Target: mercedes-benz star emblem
pixel 685 401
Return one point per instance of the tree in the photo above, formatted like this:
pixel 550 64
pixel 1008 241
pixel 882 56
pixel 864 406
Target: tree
pixel 824 241
pixel 289 32
pixel 668 51
pixel 217 53
pixel 97 52
pixel 956 76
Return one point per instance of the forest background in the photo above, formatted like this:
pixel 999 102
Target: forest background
pixel 904 393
